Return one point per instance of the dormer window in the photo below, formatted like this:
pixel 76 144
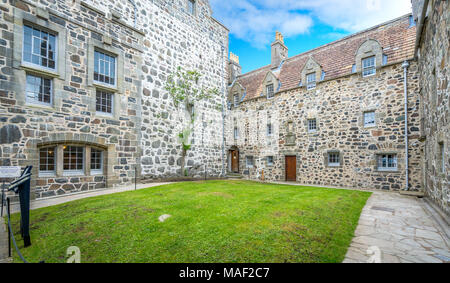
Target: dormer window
pixel 270 92
pixel 311 81
pixel 191 7
pixel 368 67
pixel 236 99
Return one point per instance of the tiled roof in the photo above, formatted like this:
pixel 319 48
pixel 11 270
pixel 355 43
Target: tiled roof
pixel 396 37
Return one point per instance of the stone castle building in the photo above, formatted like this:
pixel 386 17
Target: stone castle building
pixel 83 100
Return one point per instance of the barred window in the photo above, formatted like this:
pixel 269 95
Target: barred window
pixel 249 161
pixel 311 81
pixel 39 47
pixel 104 68
pixel 368 66
pixel 334 159
pixel 369 119
pixel 312 125
pixel 270 92
pixel 47 160
pixel 104 102
pixel 191 7
pixel 73 159
pixel 290 127
pixel 387 162
pixel 269 130
pixel 38 90
pixel 269 160
pixel 96 161
pixel 236 133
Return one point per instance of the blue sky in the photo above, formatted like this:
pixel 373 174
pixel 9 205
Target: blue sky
pixel 305 24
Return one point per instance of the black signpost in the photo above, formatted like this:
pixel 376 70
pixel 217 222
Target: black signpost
pixel 22 187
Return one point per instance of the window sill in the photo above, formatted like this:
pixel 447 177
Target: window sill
pixel 74 174
pixel 370 127
pixel 46 175
pixel 39 70
pixel 387 170
pixel 111 88
pixel 40 106
pixel 104 114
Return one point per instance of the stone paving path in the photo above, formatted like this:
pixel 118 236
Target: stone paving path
pixel 401 229
pixel 3 242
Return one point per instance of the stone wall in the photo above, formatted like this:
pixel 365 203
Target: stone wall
pixel 150 41
pixel 433 54
pixel 338 105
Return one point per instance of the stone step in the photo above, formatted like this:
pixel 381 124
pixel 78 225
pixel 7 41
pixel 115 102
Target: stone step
pixel 413 194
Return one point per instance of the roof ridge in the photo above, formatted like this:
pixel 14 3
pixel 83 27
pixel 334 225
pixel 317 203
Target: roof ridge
pixel 333 42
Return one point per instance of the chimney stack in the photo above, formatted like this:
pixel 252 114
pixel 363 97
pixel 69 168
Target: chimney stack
pixel 279 50
pixel 234 69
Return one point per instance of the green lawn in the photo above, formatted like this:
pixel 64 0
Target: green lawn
pixel 215 221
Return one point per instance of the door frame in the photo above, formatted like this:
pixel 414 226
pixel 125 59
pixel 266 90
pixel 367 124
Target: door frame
pixel 285 167
pixel 231 160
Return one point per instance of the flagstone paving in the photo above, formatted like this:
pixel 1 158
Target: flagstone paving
pixel 401 230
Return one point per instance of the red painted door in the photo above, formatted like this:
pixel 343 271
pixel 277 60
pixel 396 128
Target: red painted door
pixel 291 168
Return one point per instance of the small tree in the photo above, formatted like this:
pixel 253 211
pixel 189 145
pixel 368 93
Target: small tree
pixel 186 90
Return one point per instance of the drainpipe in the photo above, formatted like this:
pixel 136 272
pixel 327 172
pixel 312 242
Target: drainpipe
pixel 223 116
pixel 135 11
pixel 405 66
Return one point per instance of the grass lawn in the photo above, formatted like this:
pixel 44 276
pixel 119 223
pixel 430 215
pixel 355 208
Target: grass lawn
pixel 214 221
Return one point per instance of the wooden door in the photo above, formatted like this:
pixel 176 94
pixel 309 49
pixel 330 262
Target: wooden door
pixel 235 161
pixel 291 168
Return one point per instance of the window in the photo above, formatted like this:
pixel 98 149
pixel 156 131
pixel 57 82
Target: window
pixel 47 161
pixel 270 92
pixel 73 159
pixel 311 81
pixel 312 125
pixel 368 66
pixel 191 7
pixel 387 162
pixel 442 157
pixel 269 130
pixel 269 160
pixel 290 127
pixel 104 102
pixel 369 119
pixel 39 47
pixel 249 161
pixel 236 133
pixel 38 90
pixel 412 22
pixel 236 99
pixel 96 161
pixel 104 68
pixel 333 159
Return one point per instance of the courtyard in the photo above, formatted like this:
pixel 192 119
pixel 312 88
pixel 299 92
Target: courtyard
pixel 214 221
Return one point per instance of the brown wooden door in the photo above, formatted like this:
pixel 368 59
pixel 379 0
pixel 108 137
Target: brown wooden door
pixel 235 161
pixel 291 168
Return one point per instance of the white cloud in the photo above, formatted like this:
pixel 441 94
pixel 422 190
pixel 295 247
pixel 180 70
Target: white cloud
pixel 256 20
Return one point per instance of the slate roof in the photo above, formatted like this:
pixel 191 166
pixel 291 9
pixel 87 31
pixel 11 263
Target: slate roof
pixel 396 37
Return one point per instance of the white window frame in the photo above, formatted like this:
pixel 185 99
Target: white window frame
pixel 116 77
pixel 76 172
pixel 310 121
pixel 112 103
pixel 334 164
pixel 191 11
pixel 34 101
pixel 48 173
pixel 270 90
pixel 369 70
pixel 31 64
pixel 247 159
pixel 97 171
pixel 311 81
pixel 367 115
pixel 380 166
